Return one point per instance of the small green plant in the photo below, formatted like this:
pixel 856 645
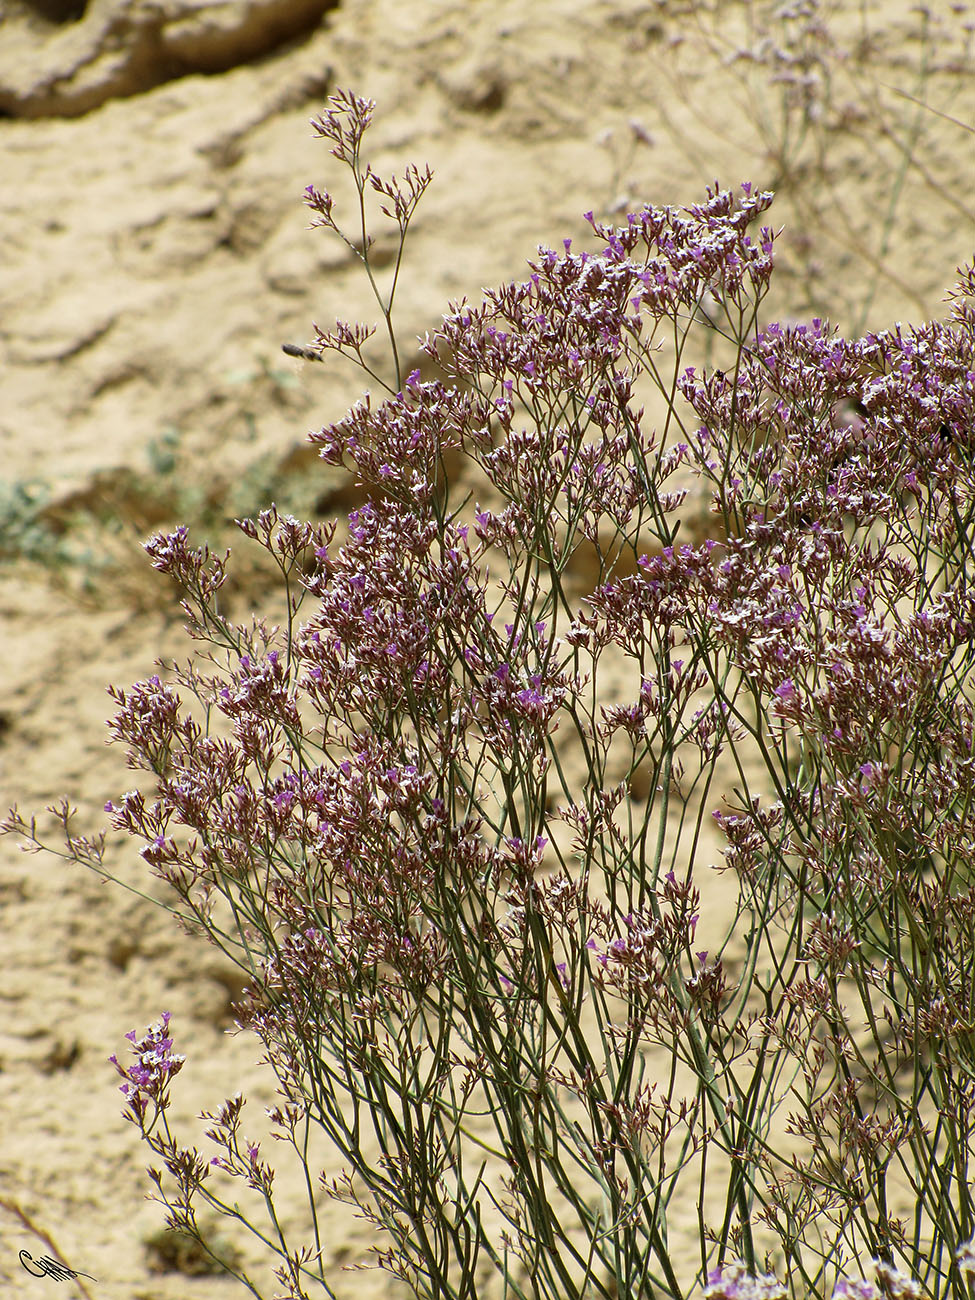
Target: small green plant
pixel 84 540
pixel 205 1255
pixel 23 529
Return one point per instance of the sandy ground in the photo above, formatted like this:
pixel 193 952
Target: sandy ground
pixel 155 254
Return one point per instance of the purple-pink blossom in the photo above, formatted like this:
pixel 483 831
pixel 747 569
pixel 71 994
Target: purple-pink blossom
pixel 147 1079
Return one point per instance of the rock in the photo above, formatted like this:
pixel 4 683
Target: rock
pixel 118 48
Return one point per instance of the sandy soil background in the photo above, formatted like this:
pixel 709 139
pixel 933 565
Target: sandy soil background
pixel 154 255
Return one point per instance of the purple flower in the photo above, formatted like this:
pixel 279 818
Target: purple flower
pixel 858 1290
pixel 147 1079
pixel 734 1282
pixel 532 700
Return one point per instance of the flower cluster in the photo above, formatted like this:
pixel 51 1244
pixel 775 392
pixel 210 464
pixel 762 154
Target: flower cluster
pixel 147 1080
pixel 457 801
pixel 734 1282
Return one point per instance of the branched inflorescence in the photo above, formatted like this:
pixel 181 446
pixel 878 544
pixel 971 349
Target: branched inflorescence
pixel 450 815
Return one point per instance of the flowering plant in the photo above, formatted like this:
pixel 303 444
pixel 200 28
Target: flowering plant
pixel 450 813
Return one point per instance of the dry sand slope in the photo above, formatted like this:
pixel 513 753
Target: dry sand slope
pixel 155 254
